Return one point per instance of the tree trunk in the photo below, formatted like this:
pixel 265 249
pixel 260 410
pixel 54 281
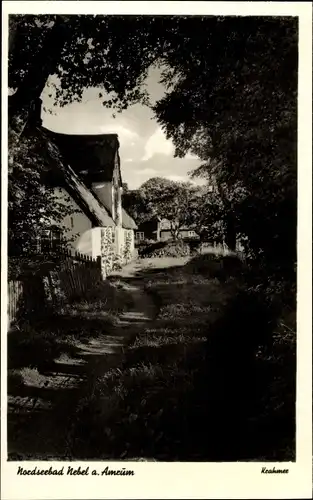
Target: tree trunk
pixel 231 236
pixel 24 103
pixel 175 234
pixel 20 103
pixel 13 27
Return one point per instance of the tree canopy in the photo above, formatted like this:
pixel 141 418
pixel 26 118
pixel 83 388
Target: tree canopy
pixel 33 207
pixel 182 204
pixel 170 200
pixel 237 110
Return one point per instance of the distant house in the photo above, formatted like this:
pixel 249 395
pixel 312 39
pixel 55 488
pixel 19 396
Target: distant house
pixel 148 230
pixel 86 176
pixel 183 233
pixel 158 229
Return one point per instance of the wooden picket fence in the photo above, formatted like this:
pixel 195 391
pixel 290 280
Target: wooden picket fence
pixel 70 276
pixel 77 276
pixel 15 291
pixel 69 255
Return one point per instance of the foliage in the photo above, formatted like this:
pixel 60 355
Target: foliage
pixel 169 200
pixel 234 105
pixel 32 207
pixel 81 51
pixel 180 204
pixel 90 51
pixel 135 204
pixel 206 214
pixel 165 199
pixel 165 249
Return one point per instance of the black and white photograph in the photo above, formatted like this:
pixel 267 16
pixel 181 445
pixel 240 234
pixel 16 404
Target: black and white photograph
pixel 152 238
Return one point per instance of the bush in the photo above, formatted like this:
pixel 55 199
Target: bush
pixel 165 249
pixel 216 266
pixel 194 245
pixel 144 243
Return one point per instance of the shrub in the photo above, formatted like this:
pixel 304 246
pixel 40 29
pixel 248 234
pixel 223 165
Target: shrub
pixel 194 245
pixel 165 249
pixel 145 249
pixel 209 265
pixel 144 243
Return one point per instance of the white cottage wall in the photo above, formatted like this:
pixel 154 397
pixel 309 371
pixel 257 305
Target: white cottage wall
pixel 78 227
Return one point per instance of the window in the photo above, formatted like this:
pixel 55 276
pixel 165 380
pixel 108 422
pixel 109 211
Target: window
pixel 51 240
pixel 72 222
pixel 113 235
pixel 165 224
pixel 140 236
pixel 45 241
pixel 192 233
pixel 56 239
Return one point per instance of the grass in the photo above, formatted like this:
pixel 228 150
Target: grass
pixel 149 408
pixel 79 319
pixel 197 384
pixel 185 392
pixel 48 359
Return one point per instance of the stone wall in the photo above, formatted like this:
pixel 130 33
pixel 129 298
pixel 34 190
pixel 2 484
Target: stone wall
pixel 118 253
pixel 129 246
pixel 107 252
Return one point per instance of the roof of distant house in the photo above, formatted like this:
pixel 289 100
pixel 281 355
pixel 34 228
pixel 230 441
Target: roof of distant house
pixel 184 228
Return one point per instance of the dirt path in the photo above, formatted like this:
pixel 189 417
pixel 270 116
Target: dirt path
pixel 44 403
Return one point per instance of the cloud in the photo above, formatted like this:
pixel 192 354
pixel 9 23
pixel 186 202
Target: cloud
pixel 159 165
pixel 176 178
pixel 147 171
pixel 158 143
pixel 123 133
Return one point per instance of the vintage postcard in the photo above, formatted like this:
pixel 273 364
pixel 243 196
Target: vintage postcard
pixel 156 250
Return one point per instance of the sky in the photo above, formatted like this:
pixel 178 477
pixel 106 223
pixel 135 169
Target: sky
pixel 144 150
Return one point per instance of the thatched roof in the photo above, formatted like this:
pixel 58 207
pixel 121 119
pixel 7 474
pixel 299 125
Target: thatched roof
pixel 64 176
pixel 92 157
pixel 127 221
pixel 66 163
